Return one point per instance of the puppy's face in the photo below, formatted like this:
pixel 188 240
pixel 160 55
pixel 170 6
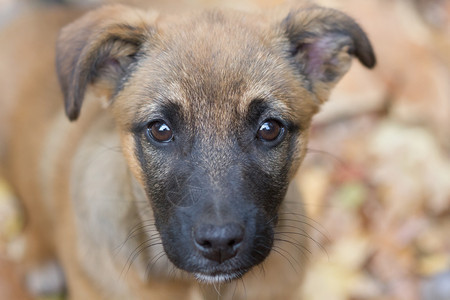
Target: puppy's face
pixel 216 136
pixel 213 111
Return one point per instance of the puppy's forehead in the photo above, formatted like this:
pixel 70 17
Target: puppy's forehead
pixel 216 60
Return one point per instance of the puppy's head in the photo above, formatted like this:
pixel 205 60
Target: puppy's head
pixel 213 110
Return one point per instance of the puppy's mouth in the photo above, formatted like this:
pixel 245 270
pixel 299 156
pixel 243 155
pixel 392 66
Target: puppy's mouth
pixel 222 273
pixel 219 277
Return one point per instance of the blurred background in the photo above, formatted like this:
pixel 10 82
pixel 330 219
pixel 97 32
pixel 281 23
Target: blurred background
pixel 376 179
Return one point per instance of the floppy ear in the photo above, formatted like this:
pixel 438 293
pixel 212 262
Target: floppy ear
pixel 322 42
pixel 101 48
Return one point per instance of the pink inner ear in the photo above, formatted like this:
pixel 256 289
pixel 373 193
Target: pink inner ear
pixel 319 53
pixel 113 63
pixel 322 59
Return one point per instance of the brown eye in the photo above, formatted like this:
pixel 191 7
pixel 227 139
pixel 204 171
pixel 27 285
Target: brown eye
pixel 270 130
pixel 160 132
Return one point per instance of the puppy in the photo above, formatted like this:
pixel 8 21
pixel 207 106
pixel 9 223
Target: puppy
pixel 173 179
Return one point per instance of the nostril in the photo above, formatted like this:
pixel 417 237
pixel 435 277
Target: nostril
pixel 235 242
pixel 205 244
pixel 218 242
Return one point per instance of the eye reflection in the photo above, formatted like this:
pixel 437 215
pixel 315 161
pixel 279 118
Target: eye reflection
pixel 270 130
pixel 160 131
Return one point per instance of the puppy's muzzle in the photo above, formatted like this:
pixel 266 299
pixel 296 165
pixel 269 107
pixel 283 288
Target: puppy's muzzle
pixel 218 242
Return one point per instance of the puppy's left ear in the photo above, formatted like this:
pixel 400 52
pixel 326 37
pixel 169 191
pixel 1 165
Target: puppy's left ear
pixel 100 49
pixel 322 43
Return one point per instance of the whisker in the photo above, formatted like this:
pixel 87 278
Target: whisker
pixel 297 245
pixel 217 290
pixel 244 287
pixel 133 233
pixel 287 233
pixel 262 269
pixel 276 250
pixel 235 288
pixel 139 249
pixel 336 158
pixel 302 216
pixel 293 227
pixel 305 223
pixel 151 263
pixel 303 204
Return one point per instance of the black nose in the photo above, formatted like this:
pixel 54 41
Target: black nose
pixel 218 242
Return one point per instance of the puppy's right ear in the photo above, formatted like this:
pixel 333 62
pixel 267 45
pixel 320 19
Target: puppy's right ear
pixel 101 46
pixel 323 42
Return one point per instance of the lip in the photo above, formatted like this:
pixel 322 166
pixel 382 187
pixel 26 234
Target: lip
pixel 219 277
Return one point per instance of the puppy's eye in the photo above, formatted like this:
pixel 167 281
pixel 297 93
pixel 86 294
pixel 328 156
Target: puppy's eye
pixel 270 130
pixel 160 131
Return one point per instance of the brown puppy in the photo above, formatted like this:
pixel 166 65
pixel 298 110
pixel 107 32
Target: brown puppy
pixel 188 132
